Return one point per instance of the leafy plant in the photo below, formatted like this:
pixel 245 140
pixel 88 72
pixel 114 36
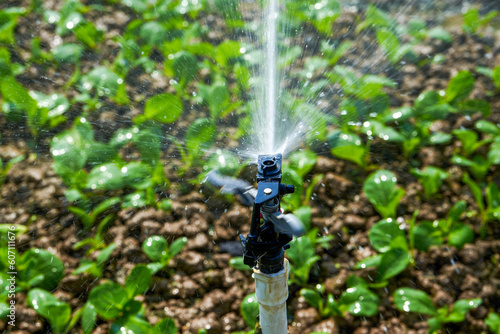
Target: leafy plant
pixel 431 179
pixel 357 300
pixel 249 310
pixel 4 169
pixel 95 268
pixel 493 322
pixel 158 250
pixel 394 255
pixel 302 255
pixel 349 147
pixel 38 268
pixel 412 300
pixel 57 313
pixel 469 140
pixel 381 190
pixel 391 45
pixel 112 301
pixel 427 234
pixel 489 210
pixel 473 21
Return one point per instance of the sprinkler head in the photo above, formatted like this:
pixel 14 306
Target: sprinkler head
pixel 270 229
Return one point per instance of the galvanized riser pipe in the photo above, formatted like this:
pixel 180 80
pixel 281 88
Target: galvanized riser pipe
pixel 271 291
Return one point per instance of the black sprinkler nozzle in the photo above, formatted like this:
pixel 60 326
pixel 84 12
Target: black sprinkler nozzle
pixel 270 230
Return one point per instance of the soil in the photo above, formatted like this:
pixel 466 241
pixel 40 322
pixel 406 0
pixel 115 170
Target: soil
pixel 199 289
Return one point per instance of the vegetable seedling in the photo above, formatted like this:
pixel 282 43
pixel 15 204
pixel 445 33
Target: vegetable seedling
pixel 381 189
pixel 302 255
pixel 431 179
pixel 417 301
pixel 158 250
pixel 394 255
pixel 95 268
pixel 488 210
pixel 357 300
pixel 57 313
pixel 473 22
pixel 493 322
pixel 427 234
pixel 115 302
pixel 4 169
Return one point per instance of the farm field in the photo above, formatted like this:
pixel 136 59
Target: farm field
pixel 112 112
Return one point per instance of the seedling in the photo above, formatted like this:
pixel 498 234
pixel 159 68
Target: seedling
pixel 95 268
pixel 115 302
pixel 38 268
pixel 487 211
pixel 473 22
pixel 158 250
pixel 393 48
pixel 427 234
pixel 349 147
pixel 57 313
pixel 431 179
pixel 390 241
pixel 4 169
pixel 412 300
pixel 321 17
pixel 470 141
pixel 493 322
pixel 249 310
pixel 302 255
pixel 381 190
pixel 200 136
pixel 357 300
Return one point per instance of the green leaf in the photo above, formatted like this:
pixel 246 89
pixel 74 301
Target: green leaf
pixel 166 326
pixel 105 177
pixel 4 310
pixel 393 262
pixel 227 51
pixel 380 188
pixel 164 108
pixel 412 300
pixel 138 281
pixel 136 175
pixel 89 316
pixel 153 33
pixel 238 264
pixel 371 261
pixel 104 255
pixel 155 247
pixel 56 312
pixel 137 199
pixel 440 33
pixel 131 324
pixel 494 153
pixel 250 310
pixel 176 246
pixel 383 233
pixel 459 86
pixel 312 297
pixel 15 93
pixel 493 322
pixel 302 161
pixel 487 127
pixel 200 136
pixel 348 147
pixel 88 34
pixel 431 178
pixel 460 308
pixel 185 67
pixel 42 267
pixel 109 299
pixel 359 302
pixel 460 234
pixel 99 153
pixel 496 76
pixel 68 53
pixel 101 80
pixel 426 235
pixel 374 128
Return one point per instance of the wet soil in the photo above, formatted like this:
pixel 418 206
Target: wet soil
pixel 199 289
